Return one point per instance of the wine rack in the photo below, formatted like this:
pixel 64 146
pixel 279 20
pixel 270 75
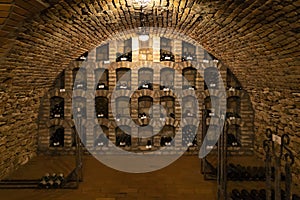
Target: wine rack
pixel 168 104
pixel 102 53
pixel 145 137
pixel 123 137
pixel 101 107
pixel 211 77
pixel 124 51
pixel 167 79
pixel 146 78
pixel 122 108
pixel 79 78
pixel 123 78
pixel 167 135
pixel 212 111
pixel 155 84
pixel 233 107
pixel 57 136
pixel 101 78
pixel 145 107
pixel 189 75
pixel 56 107
pixel 233 133
pixel 166 50
pixel 166 56
pixel 79 106
pixel 189 105
pixel 101 134
pixel 188 52
pixel 124 57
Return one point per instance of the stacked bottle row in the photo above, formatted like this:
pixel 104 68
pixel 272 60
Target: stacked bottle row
pixel 120 78
pixel 124 51
pixel 52 181
pixel 255 194
pixel 123 136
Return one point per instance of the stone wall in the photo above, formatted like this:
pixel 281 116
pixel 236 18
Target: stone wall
pixel 258 40
pixel 18 127
pixel 278 110
pixel 144 57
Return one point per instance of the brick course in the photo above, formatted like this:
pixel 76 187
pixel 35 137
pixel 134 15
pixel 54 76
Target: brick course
pixel 258 40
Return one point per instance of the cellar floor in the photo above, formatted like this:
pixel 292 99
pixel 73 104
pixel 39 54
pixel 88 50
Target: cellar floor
pixel 180 180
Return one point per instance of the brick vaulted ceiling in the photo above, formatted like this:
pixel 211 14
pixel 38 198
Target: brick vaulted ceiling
pixel 257 39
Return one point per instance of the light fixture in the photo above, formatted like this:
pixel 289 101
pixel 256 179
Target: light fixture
pixel 143 2
pixel 143 37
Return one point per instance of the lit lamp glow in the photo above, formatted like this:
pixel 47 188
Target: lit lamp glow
pixel 143 37
pixel 143 2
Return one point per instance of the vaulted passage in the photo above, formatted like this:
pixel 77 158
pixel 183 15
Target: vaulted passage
pixel 150 76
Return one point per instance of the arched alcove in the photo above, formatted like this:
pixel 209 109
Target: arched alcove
pixel 123 107
pixel 211 78
pixel 189 106
pixel 233 107
pixel 145 107
pixel 145 78
pixel 101 107
pixel 145 136
pixel 234 135
pixel 102 53
pixel 57 107
pixel 167 135
pixel 211 109
pixel 101 135
pixel 101 79
pixel 79 107
pixel 57 136
pixel 123 137
pixel 189 76
pixel 124 50
pixel 168 104
pixel 167 76
pixel 188 52
pixel 79 78
pixel 123 78
pixel 166 50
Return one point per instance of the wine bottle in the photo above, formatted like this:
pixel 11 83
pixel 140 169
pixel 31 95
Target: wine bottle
pixel 58 181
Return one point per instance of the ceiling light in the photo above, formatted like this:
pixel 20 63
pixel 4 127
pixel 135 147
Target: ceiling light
pixel 143 37
pixel 143 2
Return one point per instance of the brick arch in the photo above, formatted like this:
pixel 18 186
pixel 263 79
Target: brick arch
pixel 215 93
pixel 123 122
pixel 235 93
pixel 102 121
pixel 195 25
pixel 255 46
pixel 141 93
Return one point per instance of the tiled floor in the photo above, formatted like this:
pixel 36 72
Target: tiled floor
pixel 181 180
